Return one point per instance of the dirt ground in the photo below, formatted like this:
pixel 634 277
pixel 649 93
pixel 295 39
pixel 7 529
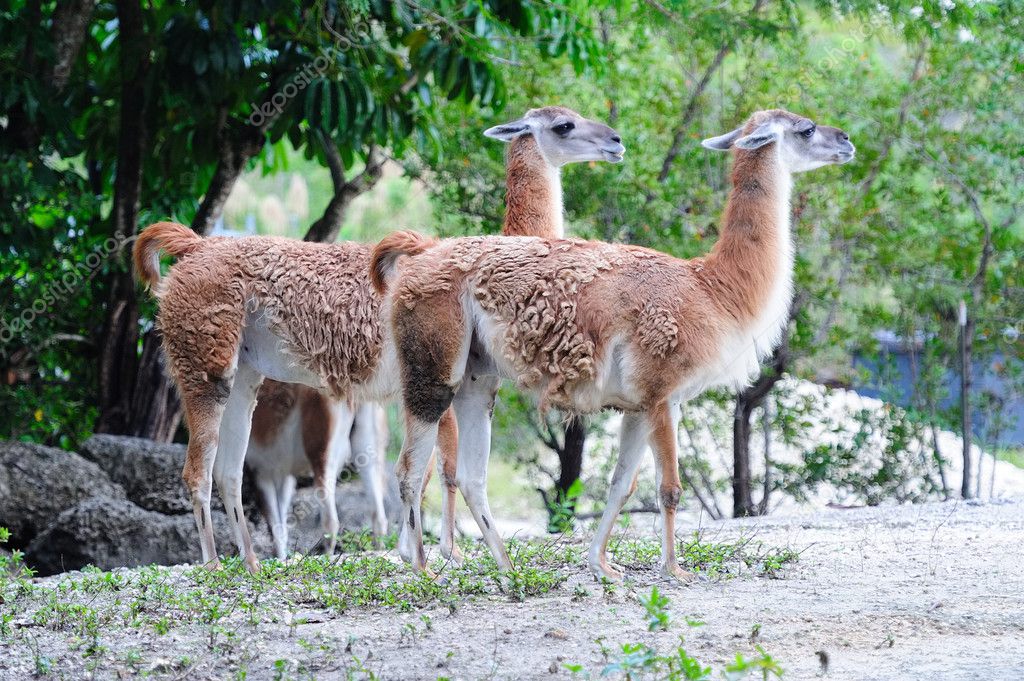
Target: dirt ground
pixel 915 592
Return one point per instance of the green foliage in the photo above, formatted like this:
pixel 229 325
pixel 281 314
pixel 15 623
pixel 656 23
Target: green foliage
pixel 643 661
pixel 868 456
pixel 656 605
pixel 15 582
pixel 251 77
pixel 708 558
pixel 562 508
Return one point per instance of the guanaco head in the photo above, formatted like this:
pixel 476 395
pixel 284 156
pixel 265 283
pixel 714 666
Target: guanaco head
pixel 563 136
pixel 802 145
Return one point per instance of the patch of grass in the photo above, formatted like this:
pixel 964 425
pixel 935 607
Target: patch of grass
pixel 14 582
pixel 639 660
pixel 712 559
pixel 773 561
pixel 361 541
pixel 94 609
pixel 161 599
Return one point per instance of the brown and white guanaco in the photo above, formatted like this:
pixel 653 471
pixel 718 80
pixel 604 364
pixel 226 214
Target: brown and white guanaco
pixel 586 325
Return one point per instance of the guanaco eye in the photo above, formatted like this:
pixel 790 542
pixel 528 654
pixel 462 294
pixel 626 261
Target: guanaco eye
pixel 809 132
pixel 564 128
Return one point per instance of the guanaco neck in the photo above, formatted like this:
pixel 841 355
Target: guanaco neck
pixel 533 192
pixel 751 265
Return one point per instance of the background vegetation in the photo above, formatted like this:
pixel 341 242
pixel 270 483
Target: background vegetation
pixel 358 118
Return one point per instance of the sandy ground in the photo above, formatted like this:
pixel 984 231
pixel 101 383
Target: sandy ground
pixel 933 591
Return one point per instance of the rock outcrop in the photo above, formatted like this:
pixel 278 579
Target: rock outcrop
pixel 38 483
pixel 111 533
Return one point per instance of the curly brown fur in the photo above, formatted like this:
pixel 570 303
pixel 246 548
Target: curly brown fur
pixel 314 296
pixel 549 302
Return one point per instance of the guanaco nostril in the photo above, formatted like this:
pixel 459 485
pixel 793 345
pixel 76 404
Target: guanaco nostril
pixel 846 138
pixel 616 139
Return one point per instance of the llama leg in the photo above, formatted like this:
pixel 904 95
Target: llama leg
pixel 632 444
pixel 267 488
pixel 432 368
pixel 204 410
pixel 325 474
pixel 285 494
pixel 368 457
pixel 473 405
pixel 448 443
pixel 663 422
pixel 233 440
pixel 413 462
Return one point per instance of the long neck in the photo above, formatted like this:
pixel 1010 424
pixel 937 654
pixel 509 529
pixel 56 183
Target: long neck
pixel 752 263
pixel 533 199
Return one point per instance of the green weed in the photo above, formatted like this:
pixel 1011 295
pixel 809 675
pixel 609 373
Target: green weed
pixel 639 660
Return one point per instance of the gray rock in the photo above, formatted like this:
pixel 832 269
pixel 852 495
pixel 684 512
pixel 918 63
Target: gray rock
pixel 110 533
pixel 149 472
pixel 38 483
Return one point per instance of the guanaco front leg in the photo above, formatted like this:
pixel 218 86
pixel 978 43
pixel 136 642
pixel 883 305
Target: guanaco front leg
pixel 663 423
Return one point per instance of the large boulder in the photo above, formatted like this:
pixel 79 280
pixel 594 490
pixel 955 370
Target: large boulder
pixel 110 533
pixel 150 473
pixel 37 483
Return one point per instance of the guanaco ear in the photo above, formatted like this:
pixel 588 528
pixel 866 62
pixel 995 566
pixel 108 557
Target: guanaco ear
pixel 722 142
pixel 762 135
pixel 508 131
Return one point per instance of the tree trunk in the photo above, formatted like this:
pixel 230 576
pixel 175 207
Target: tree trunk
pixel 120 331
pixel 158 408
pixel 976 285
pixel 238 143
pixel 70 21
pixel 560 504
pixel 742 501
pixel 966 336
pixel 325 230
pixel 746 401
pixel 570 457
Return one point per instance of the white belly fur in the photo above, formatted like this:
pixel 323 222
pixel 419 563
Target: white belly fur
pixel 284 455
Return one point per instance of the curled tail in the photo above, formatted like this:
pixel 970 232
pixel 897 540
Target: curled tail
pixel 178 240
pixel 387 251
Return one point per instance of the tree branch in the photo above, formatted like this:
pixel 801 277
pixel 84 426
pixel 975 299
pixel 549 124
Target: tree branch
pixel 711 506
pixel 876 167
pixel 690 110
pixel 327 227
pixel 237 143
